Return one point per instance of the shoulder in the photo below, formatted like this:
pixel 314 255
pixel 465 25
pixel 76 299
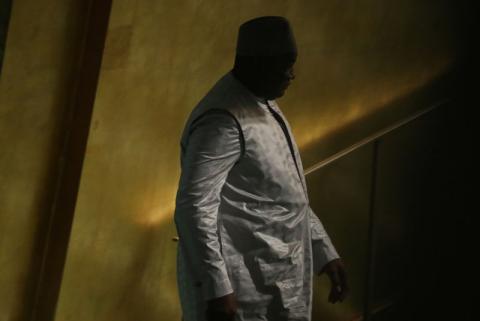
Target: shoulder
pixel 215 127
pixel 219 119
pixel 215 132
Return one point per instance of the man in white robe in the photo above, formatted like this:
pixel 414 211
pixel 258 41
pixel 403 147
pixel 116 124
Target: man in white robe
pixel 249 241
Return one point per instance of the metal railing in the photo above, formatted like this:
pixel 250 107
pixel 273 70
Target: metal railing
pixel 369 308
pixel 373 137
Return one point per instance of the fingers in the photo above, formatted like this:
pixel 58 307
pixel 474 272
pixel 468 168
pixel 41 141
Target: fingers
pixel 339 289
pixel 337 293
pixel 343 284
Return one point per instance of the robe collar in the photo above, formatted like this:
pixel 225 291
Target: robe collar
pixel 262 102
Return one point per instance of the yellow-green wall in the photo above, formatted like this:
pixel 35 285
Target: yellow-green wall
pixel 35 86
pixel 160 58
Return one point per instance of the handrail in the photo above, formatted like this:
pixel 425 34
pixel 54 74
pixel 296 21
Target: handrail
pixel 372 137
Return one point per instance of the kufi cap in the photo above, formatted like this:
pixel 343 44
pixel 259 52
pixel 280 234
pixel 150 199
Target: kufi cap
pixel 265 36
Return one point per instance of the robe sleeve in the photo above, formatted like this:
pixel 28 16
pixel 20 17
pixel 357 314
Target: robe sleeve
pixel 322 247
pixel 213 148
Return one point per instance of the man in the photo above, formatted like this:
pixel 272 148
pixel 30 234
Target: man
pixel 249 241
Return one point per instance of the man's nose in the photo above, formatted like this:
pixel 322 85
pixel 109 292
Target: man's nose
pixel 291 75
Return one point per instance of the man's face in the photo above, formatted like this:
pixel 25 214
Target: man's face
pixel 276 74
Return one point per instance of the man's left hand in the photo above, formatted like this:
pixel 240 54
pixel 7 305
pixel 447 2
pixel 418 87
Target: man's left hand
pixel 335 270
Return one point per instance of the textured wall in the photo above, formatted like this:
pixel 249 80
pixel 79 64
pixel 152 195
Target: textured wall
pixel 160 58
pixel 35 87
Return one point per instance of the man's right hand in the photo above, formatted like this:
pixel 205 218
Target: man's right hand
pixel 222 309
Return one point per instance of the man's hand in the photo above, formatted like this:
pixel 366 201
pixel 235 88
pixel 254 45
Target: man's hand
pixel 338 278
pixel 222 309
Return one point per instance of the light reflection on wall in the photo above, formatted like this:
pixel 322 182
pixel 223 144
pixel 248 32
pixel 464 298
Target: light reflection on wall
pixel 156 215
pixel 309 128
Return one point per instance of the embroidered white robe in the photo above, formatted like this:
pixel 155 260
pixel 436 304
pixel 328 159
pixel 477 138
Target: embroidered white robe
pixel 242 211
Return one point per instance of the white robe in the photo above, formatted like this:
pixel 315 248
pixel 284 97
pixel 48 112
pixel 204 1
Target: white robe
pixel 242 211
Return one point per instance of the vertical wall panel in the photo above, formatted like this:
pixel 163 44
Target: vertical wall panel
pixel 421 219
pixel 35 88
pixel 403 163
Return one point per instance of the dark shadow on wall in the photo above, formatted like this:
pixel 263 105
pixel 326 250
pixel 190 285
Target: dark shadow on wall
pixel 5 10
pixel 422 237
pixel 424 232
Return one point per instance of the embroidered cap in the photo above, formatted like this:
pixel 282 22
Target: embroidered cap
pixel 265 36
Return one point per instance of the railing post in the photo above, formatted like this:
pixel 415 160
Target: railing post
pixel 371 236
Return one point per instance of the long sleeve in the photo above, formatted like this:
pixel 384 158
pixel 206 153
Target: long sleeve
pixel 322 247
pixel 212 149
